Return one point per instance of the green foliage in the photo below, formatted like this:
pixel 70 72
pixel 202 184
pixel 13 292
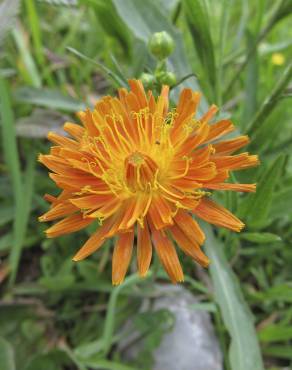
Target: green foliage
pixel 6 355
pixel 244 352
pixel 58 58
pixel 199 26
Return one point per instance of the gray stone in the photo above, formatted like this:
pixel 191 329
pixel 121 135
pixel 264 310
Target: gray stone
pixel 191 344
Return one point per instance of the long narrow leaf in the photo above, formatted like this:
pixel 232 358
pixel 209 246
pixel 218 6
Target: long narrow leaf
pixel 270 103
pixel 244 352
pixel 22 195
pixel 200 30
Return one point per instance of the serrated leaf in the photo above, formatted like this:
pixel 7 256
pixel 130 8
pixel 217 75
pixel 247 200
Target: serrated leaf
pixel 6 355
pixel 260 238
pixel 244 351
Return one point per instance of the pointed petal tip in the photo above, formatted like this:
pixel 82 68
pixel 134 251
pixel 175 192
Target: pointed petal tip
pixel 78 257
pixel 42 218
pixel 143 274
pixel 117 282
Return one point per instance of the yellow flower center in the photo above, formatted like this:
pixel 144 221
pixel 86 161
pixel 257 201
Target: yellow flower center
pixel 140 171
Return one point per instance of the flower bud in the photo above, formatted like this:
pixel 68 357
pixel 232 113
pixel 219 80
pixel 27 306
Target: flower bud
pixel 161 45
pixel 166 78
pixel 147 80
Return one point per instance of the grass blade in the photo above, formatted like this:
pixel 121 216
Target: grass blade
pixel 199 26
pixel 22 203
pixel 119 82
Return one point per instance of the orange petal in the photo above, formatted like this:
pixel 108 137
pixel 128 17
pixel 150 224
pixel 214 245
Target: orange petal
pixel 91 201
pixel 58 211
pixel 74 130
pixel 95 241
pixel 190 248
pixel 235 162
pixel 190 227
pixel 134 210
pixel 160 212
pixel 50 198
pixel 77 182
pixel 107 210
pixel 185 111
pixel 217 215
pixel 59 165
pixel 63 141
pixel 230 146
pixel 68 225
pixel 209 114
pixel 164 93
pixel 245 188
pixel 204 173
pixel 219 129
pixel 138 89
pixel 122 257
pixel 168 256
pixel 88 123
pixel 194 140
pixel 144 249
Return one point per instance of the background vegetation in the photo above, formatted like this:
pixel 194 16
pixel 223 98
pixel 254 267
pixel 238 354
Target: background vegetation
pixel 55 314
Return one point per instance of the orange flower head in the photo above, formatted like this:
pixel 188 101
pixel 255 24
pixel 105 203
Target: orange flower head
pixel 138 168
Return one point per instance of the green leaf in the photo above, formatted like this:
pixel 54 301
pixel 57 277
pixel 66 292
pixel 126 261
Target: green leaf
pixel 279 351
pixel 6 355
pixel 275 333
pixel 48 98
pixel 277 293
pixel 118 79
pixel 244 352
pixel 107 365
pixel 113 25
pixel 260 238
pixel 282 203
pixel 30 71
pixel 199 26
pixel 256 208
pixel 6 214
pixel 251 83
pixel 269 103
pixel 12 160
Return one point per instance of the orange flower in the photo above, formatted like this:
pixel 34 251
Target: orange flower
pixel 134 166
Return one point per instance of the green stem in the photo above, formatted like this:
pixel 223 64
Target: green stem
pixel 110 316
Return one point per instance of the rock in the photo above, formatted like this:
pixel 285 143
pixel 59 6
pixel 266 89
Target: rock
pixel 190 345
